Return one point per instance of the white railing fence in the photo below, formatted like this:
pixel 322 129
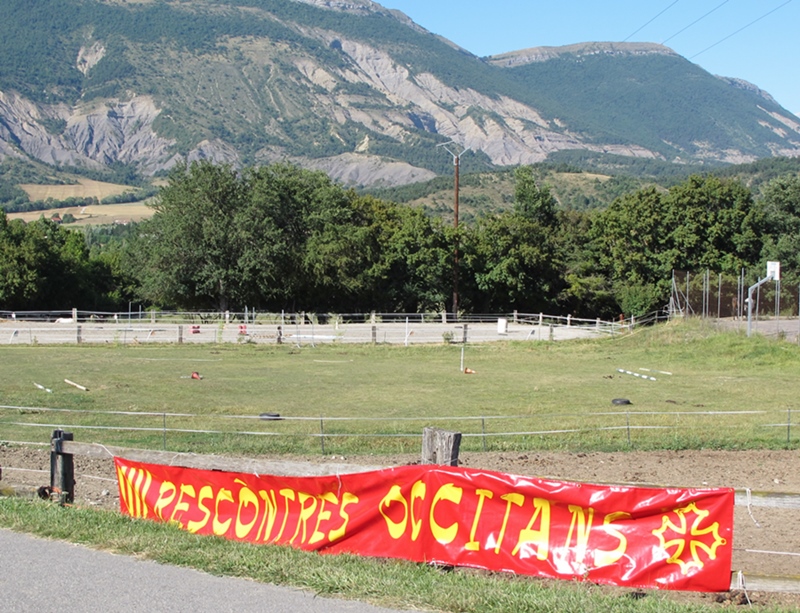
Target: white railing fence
pixel 59 327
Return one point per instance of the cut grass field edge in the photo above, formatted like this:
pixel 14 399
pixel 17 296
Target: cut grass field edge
pixel 388 583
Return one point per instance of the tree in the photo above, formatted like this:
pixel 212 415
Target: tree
pixel 515 264
pixel 781 205
pixel 406 263
pixel 42 266
pixel 281 237
pixel 704 222
pixel 189 253
pixel 587 292
pixel 301 252
pixel 631 240
pixel 532 202
pixel 712 223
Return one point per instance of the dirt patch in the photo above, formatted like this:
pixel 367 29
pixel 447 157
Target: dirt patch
pixel 756 530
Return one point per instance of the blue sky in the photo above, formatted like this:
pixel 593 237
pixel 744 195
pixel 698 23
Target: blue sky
pixel 755 40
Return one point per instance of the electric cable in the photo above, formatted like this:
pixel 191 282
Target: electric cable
pixel 695 21
pixel 740 29
pixel 651 21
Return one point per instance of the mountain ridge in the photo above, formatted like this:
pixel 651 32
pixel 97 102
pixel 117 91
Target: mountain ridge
pixel 349 87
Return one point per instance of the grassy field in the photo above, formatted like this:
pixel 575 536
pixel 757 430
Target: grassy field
pixel 94 214
pixel 97 215
pixel 724 391
pixel 560 386
pixel 84 188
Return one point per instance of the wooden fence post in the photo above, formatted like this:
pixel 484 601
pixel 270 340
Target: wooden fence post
pixel 62 468
pixel 440 446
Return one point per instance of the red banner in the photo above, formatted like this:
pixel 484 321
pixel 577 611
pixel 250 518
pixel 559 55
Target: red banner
pixel 677 539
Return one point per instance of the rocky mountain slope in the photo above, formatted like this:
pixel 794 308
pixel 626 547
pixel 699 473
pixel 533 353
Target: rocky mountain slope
pixel 349 87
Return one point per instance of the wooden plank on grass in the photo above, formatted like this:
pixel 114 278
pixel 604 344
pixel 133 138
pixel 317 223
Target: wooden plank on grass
pixel 763 583
pixel 211 462
pixel 771 500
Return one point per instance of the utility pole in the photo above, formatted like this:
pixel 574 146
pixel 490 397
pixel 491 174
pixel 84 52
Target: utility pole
pixel 456 151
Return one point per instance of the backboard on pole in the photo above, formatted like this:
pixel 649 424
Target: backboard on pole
pixel 774 270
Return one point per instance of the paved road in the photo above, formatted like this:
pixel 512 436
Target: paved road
pixel 42 576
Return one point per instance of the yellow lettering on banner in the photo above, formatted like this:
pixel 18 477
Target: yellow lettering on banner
pixel 221 527
pixel 347 499
pixel 541 537
pixel 513 498
pixel 306 512
pixel 133 491
pixel 124 489
pixel 246 498
pixel 324 515
pixel 607 558
pixel 288 495
pixel 417 493
pixel 474 545
pixel 206 493
pixel 581 525
pixel 181 506
pixel 451 493
pixel 270 514
pixel 141 490
pixel 396 529
pixel 166 494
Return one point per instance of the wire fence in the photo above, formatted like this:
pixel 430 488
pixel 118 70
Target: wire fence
pixel 775 309
pixel 271 432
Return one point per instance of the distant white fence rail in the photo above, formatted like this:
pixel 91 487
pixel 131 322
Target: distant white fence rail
pixel 58 327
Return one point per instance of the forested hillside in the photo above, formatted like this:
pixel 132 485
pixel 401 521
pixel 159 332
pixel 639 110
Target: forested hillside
pixel 133 88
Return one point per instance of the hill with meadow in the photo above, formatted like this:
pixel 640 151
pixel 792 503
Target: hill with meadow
pixel 127 89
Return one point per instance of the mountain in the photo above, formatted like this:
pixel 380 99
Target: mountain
pixel 349 87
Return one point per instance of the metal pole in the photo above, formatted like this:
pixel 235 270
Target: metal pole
pixel 757 286
pixel 788 427
pixel 687 293
pixel 628 426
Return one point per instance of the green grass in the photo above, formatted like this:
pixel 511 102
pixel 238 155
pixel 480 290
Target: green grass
pixel 567 385
pixel 725 391
pixel 384 582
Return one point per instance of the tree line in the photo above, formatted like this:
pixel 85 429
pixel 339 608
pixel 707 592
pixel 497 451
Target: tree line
pixel 282 238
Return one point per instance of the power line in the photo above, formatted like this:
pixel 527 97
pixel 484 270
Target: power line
pixel 740 29
pixel 652 20
pixel 695 21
